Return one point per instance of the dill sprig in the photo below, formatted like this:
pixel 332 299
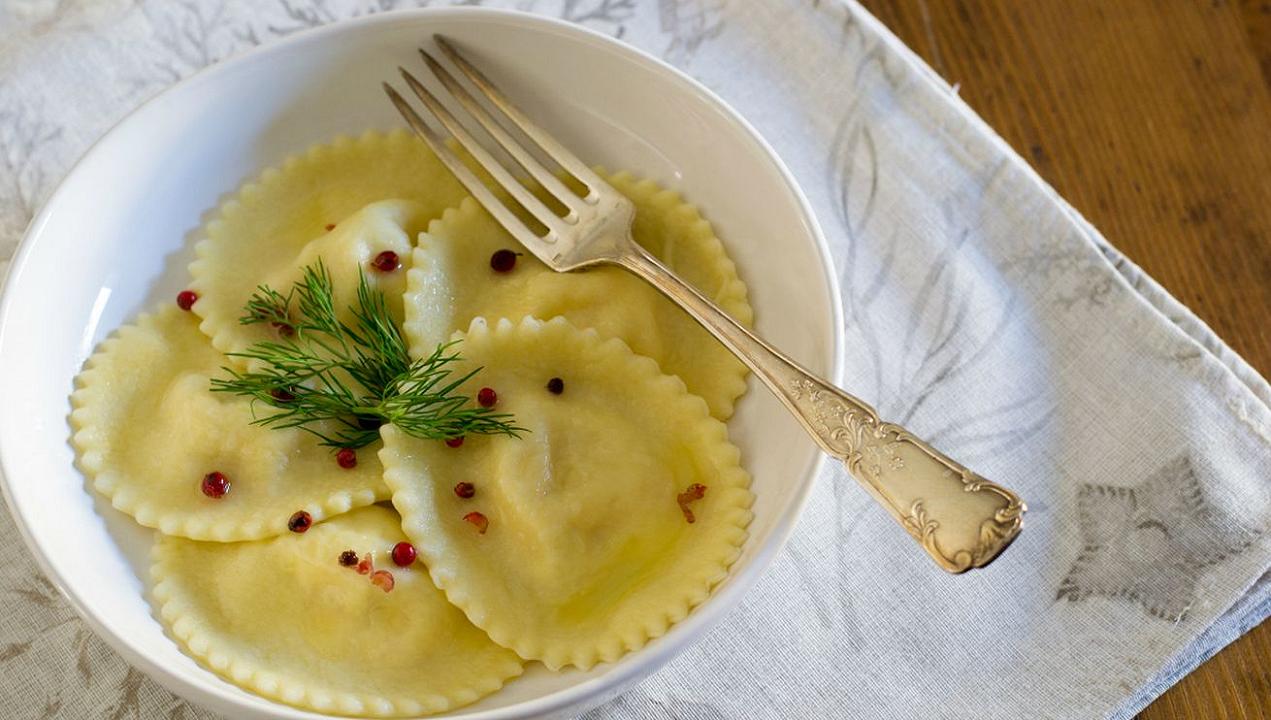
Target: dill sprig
pixel 341 381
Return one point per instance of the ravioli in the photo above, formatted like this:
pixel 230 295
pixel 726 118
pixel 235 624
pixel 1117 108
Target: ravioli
pixel 585 553
pixel 347 252
pixel 285 619
pixel 277 223
pixel 452 282
pixel 148 429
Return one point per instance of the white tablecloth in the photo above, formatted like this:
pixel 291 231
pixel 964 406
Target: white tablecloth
pixel 980 309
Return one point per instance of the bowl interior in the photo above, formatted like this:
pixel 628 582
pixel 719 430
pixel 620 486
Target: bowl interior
pixel 118 235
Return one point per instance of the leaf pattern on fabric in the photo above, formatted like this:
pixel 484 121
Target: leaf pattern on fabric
pixel 1075 277
pixel 946 337
pixel 24 135
pixel 611 13
pixel 188 36
pixel 689 23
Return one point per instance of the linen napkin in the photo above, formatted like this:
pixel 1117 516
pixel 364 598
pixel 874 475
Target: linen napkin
pixel 980 309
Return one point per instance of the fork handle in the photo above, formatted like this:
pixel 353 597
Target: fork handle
pixel 959 518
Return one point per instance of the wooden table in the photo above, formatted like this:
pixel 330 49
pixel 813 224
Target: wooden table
pixel 1153 117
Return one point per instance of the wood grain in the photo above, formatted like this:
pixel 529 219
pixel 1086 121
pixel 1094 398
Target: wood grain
pixel 1153 117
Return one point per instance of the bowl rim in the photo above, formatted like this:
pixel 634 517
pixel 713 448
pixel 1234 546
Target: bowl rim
pixel 722 600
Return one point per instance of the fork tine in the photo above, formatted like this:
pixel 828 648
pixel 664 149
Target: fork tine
pixel 483 195
pixel 554 149
pixel 536 207
pixel 514 148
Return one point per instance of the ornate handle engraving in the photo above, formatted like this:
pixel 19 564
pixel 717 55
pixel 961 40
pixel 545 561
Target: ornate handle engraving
pixel 961 519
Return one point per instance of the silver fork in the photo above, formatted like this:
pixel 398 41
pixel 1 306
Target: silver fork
pixel 961 519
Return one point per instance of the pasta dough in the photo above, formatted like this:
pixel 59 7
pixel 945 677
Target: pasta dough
pixel 264 233
pixel 587 553
pixel 283 618
pixel 452 282
pixel 148 429
pixel 346 251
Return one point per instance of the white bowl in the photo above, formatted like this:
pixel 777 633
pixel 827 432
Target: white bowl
pixel 117 236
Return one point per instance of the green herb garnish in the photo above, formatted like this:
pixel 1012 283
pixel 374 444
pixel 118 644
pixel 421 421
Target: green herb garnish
pixel 340 382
